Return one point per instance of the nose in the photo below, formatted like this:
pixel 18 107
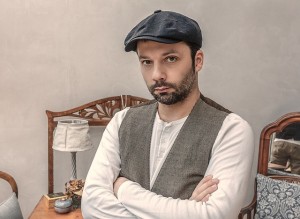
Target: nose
pixel 158 73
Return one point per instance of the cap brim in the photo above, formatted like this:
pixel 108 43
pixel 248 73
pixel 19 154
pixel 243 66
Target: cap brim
pixel 131 46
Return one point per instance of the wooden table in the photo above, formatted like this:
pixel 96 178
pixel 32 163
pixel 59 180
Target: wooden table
pixel 42 212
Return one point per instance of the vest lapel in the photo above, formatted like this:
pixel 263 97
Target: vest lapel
pixel 135 141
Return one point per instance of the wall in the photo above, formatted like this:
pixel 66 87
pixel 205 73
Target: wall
pixel 59 54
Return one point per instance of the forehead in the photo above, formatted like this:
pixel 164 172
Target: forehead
pixel 148 47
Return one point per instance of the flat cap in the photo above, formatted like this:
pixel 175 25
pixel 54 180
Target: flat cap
pixel 164 27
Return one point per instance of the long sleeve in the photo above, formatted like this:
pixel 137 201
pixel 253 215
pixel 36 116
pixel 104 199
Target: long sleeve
pixel 98 200
pixel 231 161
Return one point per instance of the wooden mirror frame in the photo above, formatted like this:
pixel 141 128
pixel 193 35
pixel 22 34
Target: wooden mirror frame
pixel 98 113
pixel 265 137
pixel 264 155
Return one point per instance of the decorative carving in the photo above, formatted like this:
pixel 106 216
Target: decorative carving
pixel 105 110
pixel 102 111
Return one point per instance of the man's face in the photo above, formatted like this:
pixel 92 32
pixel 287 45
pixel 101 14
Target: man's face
pixel 167 70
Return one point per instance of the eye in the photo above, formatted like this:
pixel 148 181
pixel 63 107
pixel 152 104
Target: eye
pixel 146 62
pixel 171 59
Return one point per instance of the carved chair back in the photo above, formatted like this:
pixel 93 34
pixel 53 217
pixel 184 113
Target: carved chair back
pixel 98 113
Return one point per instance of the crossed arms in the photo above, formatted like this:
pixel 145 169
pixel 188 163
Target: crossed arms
pixel 231 162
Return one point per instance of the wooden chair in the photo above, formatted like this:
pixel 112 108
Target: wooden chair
pixel 10 207
pixel 98 113
pixel 264 157
pixel 10 180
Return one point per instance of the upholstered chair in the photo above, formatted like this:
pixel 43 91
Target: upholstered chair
pixel 10 208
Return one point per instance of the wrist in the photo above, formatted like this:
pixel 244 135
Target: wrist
pixel 117 184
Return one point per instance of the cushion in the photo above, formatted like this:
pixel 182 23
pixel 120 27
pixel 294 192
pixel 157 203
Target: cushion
pixel 10 208
pixel 277 199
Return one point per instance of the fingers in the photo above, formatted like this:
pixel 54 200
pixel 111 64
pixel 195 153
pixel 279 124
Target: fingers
pixel 205 199
pixel 199 187
pixel 205 179
pixel 203 195
pixel 204 189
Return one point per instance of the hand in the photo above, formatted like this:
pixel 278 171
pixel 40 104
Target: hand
pixel 119 181
pixel 204 189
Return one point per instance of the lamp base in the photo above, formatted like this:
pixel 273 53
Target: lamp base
pixel 74 170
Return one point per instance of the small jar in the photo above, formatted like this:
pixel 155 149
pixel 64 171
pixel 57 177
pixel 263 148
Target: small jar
pixel 63 206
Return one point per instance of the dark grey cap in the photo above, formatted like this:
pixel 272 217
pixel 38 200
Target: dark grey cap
pixel 164 27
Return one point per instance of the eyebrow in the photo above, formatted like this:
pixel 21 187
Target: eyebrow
pixel 142 57
pixel 172 51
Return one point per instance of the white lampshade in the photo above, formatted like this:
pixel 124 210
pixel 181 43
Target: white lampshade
pixel 72 135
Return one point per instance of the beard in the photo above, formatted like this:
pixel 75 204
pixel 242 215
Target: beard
pixel 182 90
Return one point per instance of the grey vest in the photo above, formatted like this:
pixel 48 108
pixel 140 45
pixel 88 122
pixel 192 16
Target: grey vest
pixel 188 158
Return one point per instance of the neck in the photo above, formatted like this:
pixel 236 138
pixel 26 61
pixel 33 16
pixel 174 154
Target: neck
pixel 169 113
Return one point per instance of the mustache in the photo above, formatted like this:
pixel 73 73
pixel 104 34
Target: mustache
pixel 162 84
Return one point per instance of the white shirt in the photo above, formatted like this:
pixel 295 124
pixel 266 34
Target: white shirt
pixel 231 162
pixel 162 139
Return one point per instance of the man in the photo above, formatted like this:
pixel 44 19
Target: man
pixel 157 160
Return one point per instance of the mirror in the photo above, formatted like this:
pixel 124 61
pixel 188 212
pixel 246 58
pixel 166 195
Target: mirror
pixel 280 146
pixel 285 150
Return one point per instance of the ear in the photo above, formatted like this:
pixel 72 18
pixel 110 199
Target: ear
pixel 199 60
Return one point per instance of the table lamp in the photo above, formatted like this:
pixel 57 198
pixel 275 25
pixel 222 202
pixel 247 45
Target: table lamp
pixel 72 136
